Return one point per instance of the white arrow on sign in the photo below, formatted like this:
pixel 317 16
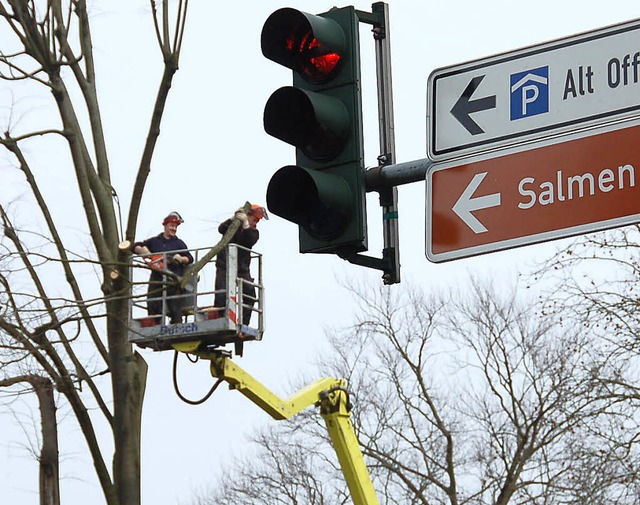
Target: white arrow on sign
pixel 466 204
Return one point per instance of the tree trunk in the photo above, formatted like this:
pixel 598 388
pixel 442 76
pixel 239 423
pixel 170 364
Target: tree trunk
pixel 49 461
pixel 129 373
pixel 49 457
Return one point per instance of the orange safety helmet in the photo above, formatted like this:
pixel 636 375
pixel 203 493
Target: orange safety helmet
pixel 173 217
pixel 258 211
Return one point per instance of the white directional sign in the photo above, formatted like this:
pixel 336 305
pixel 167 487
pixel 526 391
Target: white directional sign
pixel 565 85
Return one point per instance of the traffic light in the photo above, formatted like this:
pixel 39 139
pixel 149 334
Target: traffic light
pixel 321 115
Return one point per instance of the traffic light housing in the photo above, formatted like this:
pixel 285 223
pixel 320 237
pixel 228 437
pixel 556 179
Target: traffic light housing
pixel 321 115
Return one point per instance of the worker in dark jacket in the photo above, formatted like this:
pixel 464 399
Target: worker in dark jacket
pixel 176 261
pixel 246 236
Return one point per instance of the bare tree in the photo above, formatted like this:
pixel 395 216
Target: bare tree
pixel 473 398
pixel 597 278
pixel 48 457
pixel 50 314
pixel 596 287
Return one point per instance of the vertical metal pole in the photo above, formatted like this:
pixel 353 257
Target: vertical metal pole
pixel 233 304
pixel 388 196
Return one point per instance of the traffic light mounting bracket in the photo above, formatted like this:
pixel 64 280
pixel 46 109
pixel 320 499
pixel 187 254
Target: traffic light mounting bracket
pixel 390 261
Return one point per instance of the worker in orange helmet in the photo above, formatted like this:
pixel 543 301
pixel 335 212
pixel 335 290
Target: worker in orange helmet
pixel 246 236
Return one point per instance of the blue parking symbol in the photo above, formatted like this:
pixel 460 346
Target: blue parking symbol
pixel 529 93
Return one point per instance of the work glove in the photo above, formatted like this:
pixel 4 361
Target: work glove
pixel 176 258
pixel 243 219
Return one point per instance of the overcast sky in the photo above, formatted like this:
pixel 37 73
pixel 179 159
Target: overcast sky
pixel 214 155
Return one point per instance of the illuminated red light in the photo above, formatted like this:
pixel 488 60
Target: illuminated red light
pixel 288 43
pixel 316 63
pixel 326 63
pixel 316 48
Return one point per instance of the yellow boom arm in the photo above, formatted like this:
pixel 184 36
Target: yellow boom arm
pixel 331 396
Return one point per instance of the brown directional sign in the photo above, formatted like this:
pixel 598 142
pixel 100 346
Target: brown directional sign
pixel 535 193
